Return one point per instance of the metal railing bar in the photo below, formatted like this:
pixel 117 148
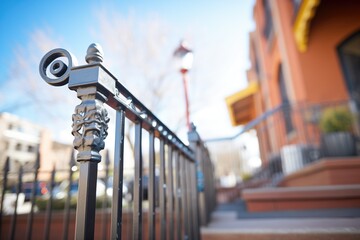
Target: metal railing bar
pixel 248 126
pixel 208 175
pixel 170 192
pixel 183 186
pixel 116 211
pixel 151 187
pixel 68 197
pixel 105 197
pixel 18 191
pixel 49 206
pixel 137 214
pixel 177 196
pixel 33 196
pixel 162 191
pixel 190 220
pixel 195 203
pixel 85 210
pixel 5 179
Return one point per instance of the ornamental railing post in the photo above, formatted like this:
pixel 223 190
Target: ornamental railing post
pixel 90 123
pixel 198 199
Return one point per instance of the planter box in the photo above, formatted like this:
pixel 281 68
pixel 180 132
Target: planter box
pixel 338 144
pixel 327 171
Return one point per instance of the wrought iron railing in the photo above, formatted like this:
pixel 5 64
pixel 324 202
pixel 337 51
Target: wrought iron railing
pixel 283 151
pixel 186 193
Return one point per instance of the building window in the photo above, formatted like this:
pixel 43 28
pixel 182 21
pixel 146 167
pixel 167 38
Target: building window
pixel 287 111
pixel 6 145
pixel 349 55
pixel 31 149
pixel 268 28
pixel 18 147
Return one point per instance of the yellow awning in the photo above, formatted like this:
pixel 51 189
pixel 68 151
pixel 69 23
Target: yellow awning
pixel 302 23
pixel 241 105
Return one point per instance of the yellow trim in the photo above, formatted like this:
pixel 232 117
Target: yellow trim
pixel 252 88
pixel 302 23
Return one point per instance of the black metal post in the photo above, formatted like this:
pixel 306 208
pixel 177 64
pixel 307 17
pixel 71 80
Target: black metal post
pixel 138 188
pixel 151 187
pixel 162 192
pixel 49 206
pixel 183 187
pixel 170 192
pixel 5 178
pixel 18 191
pixel 116 212
pixel 177 196
pixel 68 197
pixel 33 196
pixel 105 197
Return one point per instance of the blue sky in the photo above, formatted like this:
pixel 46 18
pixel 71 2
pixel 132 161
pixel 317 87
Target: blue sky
pixel 217 30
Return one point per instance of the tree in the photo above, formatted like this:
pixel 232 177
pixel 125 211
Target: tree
pixel 25 94
pixel 140 52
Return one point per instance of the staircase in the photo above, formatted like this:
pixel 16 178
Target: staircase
pixel 232 221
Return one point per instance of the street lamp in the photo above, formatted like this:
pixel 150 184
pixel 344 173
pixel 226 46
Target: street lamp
pixel 184 57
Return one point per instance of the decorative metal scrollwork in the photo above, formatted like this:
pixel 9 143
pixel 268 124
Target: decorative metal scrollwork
pixel 90 124
pixel 57 67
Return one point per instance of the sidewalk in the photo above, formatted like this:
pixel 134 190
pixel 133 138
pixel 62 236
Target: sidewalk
pixel 232 221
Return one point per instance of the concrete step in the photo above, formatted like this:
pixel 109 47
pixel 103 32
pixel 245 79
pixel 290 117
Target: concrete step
pixel 226 225
pixel 280 236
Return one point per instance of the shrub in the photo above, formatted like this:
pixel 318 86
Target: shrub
pixel 59 203
pixel 336 119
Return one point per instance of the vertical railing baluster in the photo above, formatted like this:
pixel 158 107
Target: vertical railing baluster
pixel 195 201
pixel 5 179
pixel 197 196
pixel 177 196
pixel 85 210
pixel 116 209
pixel 68 198
pixel 184 196
pixel 138 188
pixel 18 191
pixel 33 196
pixel 162 192
pixel 189 220
pixel 105 198
pixel 170 192
pixel 202 193
pixel 151 187
pixel 49 205
pixel 212 184
pixel 206 165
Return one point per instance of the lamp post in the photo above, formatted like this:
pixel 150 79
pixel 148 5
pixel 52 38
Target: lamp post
pixel 184 57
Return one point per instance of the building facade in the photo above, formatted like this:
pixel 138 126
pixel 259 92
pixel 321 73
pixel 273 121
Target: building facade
pixel 305 56
pixel 21 141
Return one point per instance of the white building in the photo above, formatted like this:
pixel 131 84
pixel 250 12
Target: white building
pixel 19 141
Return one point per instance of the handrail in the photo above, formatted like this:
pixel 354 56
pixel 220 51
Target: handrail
pixel 248 126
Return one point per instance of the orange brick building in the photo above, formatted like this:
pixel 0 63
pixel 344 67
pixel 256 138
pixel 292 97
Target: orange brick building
pixel 304 55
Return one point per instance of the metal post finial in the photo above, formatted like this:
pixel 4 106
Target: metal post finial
pixel 94 54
